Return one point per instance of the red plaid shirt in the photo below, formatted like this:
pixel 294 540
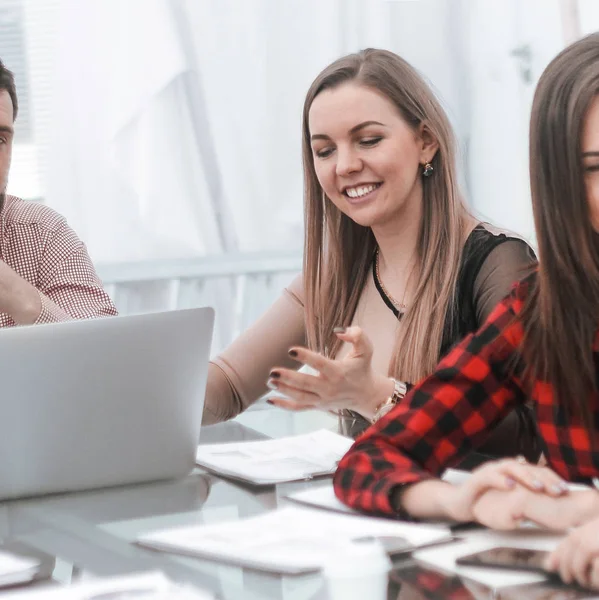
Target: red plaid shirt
pixel 37 243
pixel 449 414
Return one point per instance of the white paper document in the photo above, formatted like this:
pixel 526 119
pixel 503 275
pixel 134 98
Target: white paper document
pixel 289 540
pixel 477 541
pixel 276 461
pixel 322 497
pixel 148 586
pixel 16 569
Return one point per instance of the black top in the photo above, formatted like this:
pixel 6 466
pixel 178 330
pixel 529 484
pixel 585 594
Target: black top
pixel 463 315
pixel 463 319
pixel 483 280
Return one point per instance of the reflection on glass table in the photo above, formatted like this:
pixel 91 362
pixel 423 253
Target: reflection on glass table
pixel 414 581
pixel 95 530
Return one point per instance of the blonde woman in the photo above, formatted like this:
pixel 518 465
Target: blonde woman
pixel 396 270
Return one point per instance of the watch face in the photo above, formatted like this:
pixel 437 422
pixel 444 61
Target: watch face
pixel 384 410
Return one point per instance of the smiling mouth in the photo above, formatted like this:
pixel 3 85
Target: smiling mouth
pixel 360 191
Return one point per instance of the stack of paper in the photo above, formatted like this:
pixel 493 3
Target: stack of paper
pixel 289 540
pixel 17 569
pixel 276 461
pixel 151 586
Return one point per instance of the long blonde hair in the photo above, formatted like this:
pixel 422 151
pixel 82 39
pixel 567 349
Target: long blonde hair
pixel 338 253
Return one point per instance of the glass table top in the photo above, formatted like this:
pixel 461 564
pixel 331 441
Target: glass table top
pixel 93 533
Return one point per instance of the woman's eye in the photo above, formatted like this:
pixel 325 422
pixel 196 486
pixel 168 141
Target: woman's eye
pixel 324 152
pixel 368 142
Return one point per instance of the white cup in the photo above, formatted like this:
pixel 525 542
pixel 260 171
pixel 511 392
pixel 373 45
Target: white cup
pixel 359 570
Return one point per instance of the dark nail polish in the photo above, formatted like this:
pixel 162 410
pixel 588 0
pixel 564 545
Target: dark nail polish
pixel 293 353
pixel 269 401
pixel 275 374
pixel 339 330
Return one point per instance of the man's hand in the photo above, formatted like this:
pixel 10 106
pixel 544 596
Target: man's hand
pixel 18 297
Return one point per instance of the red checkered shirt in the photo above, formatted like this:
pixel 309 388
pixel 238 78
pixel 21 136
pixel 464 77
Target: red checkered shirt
pixel 38 244
pixel 450 413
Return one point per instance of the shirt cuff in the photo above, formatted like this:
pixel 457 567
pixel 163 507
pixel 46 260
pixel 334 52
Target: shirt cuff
pixel 50 312
pixel 390 490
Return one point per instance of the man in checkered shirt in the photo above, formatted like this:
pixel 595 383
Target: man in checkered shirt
pixel 46 275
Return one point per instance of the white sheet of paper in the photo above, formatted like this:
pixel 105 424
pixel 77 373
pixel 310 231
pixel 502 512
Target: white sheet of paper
pixel 289 540
pixel 16 569
pixel 322 497
pixel 306 369
pixel 276 461
pixel 476 541
pixel 156 586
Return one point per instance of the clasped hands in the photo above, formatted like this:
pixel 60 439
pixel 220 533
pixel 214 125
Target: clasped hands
pixel 501 494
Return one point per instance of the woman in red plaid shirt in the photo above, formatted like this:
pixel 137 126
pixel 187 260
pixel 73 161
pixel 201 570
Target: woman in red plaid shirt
pixel 541 342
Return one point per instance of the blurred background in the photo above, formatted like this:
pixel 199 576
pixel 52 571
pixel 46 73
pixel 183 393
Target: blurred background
pixel 168 131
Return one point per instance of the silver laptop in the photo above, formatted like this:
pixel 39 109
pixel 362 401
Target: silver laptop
pixel 88 404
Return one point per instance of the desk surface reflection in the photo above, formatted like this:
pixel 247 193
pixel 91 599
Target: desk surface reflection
pixel 91 533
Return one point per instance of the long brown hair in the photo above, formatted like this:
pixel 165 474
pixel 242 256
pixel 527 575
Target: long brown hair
pixel 561 314
pixel 338 252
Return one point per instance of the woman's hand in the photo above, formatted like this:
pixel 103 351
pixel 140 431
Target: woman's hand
pixel 507 509
pixel 496 492
pixel 577 556
pixel 349 382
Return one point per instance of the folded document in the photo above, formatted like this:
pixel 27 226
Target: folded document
pixel 289 540
pixel 276 461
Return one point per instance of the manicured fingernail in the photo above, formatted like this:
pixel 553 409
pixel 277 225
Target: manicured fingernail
pixel 557 488
pixel 275 374
pixel 340 330
pixel 293 353
pixel 564 486
pixel 538 485
pixel 269 401
pixel 510 482
pixel 272 385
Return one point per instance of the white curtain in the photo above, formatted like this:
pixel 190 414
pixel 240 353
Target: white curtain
pixel 124 163
pixel 508 48
pixel 176 124
pixel 258 58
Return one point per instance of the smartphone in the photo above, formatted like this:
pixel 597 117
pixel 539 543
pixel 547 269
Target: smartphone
pixel 520 559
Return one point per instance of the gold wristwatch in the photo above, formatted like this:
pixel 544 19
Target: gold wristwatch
pixel 399 391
